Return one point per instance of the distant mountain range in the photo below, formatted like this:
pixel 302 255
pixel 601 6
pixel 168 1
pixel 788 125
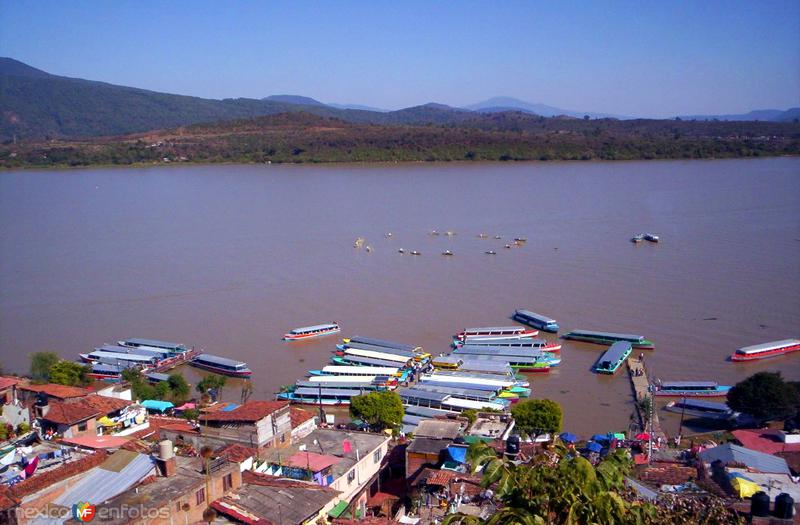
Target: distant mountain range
pixel 38 105
pixel 766 115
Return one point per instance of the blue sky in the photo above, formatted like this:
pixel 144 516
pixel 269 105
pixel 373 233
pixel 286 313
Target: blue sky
pixel 631 58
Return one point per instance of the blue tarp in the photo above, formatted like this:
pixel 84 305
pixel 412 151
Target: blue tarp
pixel 153 404
pixel 594 447
pixel 458 454
pixel 231 406
pixel 601 438
pixel 569 437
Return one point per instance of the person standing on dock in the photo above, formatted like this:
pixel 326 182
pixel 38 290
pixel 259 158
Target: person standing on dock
pixel 641 357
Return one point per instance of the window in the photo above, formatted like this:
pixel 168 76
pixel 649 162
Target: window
pixel 227 482
pixel 283 438
pixel 82 426
pixel 376 456
pixel 351 476
pixel 177 506
pixel 200 496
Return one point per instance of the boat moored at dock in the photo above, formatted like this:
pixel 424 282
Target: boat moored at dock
pixel 496 332
pixel 114 358
pixel 766 350
pixel 613 358
pixel 172 348
pixel 337 370
pixel 536 320
pixel 221 365
pixel 526 342
pixel 702 409
pixel 609 338
pixel 382 342
pixel 690 389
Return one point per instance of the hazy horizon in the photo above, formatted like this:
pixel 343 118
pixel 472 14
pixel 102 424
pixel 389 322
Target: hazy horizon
pixel 640 60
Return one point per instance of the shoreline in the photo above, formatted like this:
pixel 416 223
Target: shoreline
pixel 379 163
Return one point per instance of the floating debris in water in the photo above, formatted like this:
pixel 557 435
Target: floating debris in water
pixel 369 249
pixel 507 246
pixel 497 237
pixel 401 250
pixel 388 235
pixel 491 252
pixel 434 232
pixel 449 233
pixel 447 252
pixel 482 236
pixel 359 242
pixel 415 252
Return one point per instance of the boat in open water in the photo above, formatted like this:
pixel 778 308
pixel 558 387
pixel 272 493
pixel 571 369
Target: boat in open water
pixel 496 332
pixel 609 338
pixel 702 409
pixel 765 350
pixel 690 389
pixel 613 358
pixel 307 332
pixel 221 365
pixel 536 320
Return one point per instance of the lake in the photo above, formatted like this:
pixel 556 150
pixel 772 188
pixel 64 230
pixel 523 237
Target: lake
pixel 229 257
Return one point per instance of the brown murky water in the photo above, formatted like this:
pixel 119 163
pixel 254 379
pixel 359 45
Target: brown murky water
pixel 228 258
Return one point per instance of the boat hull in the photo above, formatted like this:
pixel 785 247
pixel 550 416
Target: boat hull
pixel 721 392
pixel 298 400
pixel 739 358
pixel 302 337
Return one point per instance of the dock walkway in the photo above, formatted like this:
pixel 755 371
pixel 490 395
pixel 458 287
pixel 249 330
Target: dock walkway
pixel 640 384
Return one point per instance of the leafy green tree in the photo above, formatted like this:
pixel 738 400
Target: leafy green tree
pixel 211 383
pixel 764 395
pixel 40 365
pixel 381 410
pixel 161 390
pixel 131 374
pixel 537 416
pixel 191 413
pixel 178 387
pixel 69 373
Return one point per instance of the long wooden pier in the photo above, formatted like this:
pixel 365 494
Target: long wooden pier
pixel 640 384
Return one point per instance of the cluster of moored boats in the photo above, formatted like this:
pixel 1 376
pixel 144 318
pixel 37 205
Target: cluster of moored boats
pixel 151 357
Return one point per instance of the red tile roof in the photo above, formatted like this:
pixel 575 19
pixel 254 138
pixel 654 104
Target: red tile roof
pixel 250 412
pixel 441 477
pixel 7 500
pixel 299 416
pixel 41 481
pixel 97 442
pixel 311 461
pixel 104 404
pixel 6 382
pixel 57 391
pixel 766 441
pixel 63 413
pixel 237 453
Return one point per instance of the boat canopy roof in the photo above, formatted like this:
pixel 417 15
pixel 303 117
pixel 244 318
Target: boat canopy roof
pixel 505 341
pixel 449 359
pixel 470 375
pixel 148 351
pixel 765 347
pixel 607 335
pixel 107 368
pixel 414 393
pixel 314 328
pixel 218 360
pixel 468 403
pixel 360 370
pixel 616 352
pixel 330 392
pixel 489 367
pixel 372 361
pixel 427 411
pixel 135 341
pixel 533 315
pixel 459 392
pixel 122 357
pixel 343 384
pixel 408 354
pixel 384 343
pixel 702 404
pixel 496 329
pixel 462 384
pixel 377 355
pixel 508 351
pixel 157 376
pixel 342 379
pixel 688 384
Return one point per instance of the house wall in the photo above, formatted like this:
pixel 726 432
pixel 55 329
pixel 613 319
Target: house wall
pixel 416 460
pixel 304 429
pixel 26 512
pixel 16 414
pixel 364 469
pixel 72 431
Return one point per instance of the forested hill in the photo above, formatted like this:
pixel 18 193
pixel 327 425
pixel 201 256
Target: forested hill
pixel 301 137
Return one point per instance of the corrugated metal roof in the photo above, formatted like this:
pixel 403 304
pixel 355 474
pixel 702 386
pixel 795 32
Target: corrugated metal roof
pixel 382 342
pixel 330 392
pixel 155 343
pixel 101 484
pixel 504 351
pixel 688 384
pixel 383 349
pixel 217 360
pixel 730 453
pixel 613 335
pixel 413 393
pixel 370 361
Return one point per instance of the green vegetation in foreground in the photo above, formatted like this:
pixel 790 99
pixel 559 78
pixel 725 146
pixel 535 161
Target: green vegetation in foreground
pixel 558 487
pixel 302 137
pixel 380 410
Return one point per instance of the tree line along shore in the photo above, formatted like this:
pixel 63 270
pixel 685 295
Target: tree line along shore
pixel 305 138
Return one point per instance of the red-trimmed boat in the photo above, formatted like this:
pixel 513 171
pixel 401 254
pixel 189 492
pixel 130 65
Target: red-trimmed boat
pixel 496 332
pixel 765 350
pixel 308 332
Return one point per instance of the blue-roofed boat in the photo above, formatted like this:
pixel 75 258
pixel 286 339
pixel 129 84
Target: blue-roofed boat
pixel 158 353
pixel 322 396
pixel 613 358
pixel 172 348
pixel 307 332
pixel 536 320
pixel 702 409
pixel 221 365
pixel 690 389
pixel 106 372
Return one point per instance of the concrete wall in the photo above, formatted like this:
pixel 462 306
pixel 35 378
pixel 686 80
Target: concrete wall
pixel 16 414
pixel 364 470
